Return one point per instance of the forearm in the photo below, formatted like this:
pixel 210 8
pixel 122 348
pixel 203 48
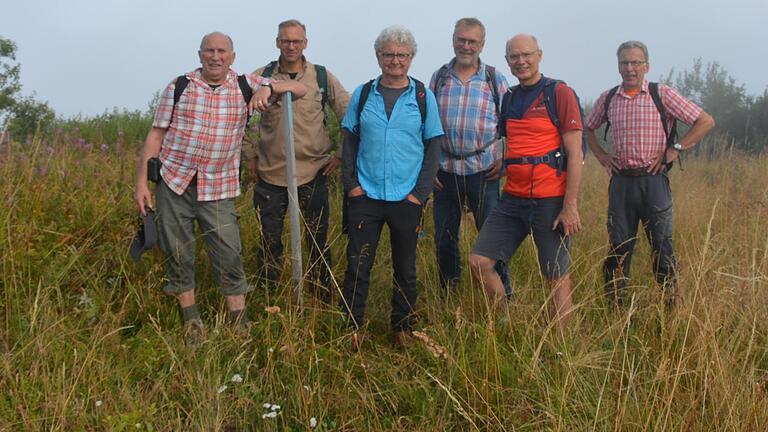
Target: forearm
pixel 297 89
pixel 429 167
pixel 703 124
pixel 150 149
pixel 350 144
pixel 572 143
pixel 593 142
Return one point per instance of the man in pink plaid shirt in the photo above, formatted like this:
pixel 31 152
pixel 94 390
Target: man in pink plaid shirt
pixel 198 140
pixel 641 153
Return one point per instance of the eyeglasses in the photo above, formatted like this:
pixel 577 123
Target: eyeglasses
pixel 522 56
pixel 388 56
pixel 471 42
pixel 289 42
pixel 633 63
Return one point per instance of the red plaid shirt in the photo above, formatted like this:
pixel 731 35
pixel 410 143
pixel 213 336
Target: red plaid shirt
pixel 205 136
pixel 637 134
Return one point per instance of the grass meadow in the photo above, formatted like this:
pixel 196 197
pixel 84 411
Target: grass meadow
pixel 89 342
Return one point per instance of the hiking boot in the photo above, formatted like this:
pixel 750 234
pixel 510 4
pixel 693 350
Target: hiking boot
pixel 402 339
pixel 194 333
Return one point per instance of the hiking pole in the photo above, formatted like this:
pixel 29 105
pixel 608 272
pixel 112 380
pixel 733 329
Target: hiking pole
pixel 293 202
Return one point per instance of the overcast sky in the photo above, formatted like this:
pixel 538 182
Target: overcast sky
pixel 87 56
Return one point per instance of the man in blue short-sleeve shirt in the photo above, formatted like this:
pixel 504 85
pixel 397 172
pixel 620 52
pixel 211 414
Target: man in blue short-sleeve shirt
pixel 389 162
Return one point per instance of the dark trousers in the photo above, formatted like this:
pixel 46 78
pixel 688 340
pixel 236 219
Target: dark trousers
pixel 646 199
pixel 366 220
pixel 480 196
pixel 271 203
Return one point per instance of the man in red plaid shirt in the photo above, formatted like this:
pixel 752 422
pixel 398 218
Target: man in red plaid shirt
pixel 641 151
pixel 198 140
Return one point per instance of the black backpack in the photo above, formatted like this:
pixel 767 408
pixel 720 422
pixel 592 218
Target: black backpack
pixel 669 132
pixel 182 82
pixel 558 158
pixel 322 83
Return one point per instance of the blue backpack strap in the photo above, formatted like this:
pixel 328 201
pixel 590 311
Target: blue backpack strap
pixel 606 105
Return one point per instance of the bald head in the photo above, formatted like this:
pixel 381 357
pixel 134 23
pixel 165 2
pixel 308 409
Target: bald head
pixel 217 34
pixel 523 58
pixel 525 40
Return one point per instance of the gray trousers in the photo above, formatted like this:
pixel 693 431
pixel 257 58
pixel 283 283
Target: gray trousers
pixel 646 199
pixel 176 217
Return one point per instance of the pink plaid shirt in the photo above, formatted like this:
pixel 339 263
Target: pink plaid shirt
pixel 637 135
pixel 205 136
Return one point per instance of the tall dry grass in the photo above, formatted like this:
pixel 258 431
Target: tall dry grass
pixel 88 342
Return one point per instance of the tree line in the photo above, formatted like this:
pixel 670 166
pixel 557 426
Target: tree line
pixel 741 118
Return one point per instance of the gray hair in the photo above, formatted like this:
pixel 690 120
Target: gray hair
pixel 205 39
pixel 469 22
pixel 396 34
pixel 291 23
pixel 521 35
pixel 632 44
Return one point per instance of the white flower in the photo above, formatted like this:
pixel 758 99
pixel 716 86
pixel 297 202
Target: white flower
pixel 306 387
pixel 236 378
pixel 275 407
pixel 271 414
pixel 223 388
pixel 267 405
pixel 313 423
pixel 271 350
pixel 98 403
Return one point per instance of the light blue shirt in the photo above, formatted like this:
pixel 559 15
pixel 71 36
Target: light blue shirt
pixel 391 150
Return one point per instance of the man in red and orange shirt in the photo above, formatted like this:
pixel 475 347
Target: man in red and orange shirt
pixel 198 139
pixel 640 151
pixel 540 198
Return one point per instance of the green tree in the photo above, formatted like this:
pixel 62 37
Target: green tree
pixel 9 76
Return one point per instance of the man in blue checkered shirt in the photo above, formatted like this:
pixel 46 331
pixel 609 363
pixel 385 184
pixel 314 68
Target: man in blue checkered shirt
pixel 468 95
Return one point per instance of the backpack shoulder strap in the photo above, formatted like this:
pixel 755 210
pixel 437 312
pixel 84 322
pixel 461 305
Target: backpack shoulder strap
pixel 245 88
pixel 322 83
pixel 442 75
pixel 506 100
pixel 490 78
pixel 181 84
pixel 606 105
pixel 366 90
pixel 550 100
pixel 653 89
pixel 421 99
pixel 269 69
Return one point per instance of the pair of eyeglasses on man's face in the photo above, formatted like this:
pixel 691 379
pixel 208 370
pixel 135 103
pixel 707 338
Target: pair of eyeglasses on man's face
pixel 389 56
pixel 633 63
pixel 289 42
pixel 525 56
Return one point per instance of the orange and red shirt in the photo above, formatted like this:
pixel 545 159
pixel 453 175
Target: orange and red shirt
pixel 534 134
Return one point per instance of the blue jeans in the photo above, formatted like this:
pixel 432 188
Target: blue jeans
pixel 480 196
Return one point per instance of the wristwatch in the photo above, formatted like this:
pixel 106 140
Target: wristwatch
pixel 677 146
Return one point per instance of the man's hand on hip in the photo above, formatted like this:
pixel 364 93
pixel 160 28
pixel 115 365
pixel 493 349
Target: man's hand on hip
pixel 331 166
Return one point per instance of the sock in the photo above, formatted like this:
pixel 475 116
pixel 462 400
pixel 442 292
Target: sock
pixel 238 317
pixel 190 313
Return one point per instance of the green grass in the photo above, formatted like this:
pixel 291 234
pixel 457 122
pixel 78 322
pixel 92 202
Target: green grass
pixel 89 342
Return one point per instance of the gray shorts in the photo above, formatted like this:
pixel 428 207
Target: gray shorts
pixel 511 222
pixel 217 220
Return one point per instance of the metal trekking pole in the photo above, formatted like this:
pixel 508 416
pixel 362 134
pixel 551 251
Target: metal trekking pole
pixel 293 202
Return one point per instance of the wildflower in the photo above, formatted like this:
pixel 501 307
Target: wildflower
pixel 312 423
pixel 272 309
pixel 98 403
pixel 271 414
pixel 104 148
pixel 50 150
pixel 271 350
pixel 223 388
pixel 236 378
pixel 275 407
pixel 267 405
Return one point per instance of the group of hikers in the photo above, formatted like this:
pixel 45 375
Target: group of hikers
pixel 402 140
